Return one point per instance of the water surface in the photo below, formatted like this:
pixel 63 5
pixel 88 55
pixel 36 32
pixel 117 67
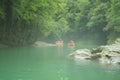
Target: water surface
pixel 50 63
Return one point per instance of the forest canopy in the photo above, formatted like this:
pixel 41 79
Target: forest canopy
pixel 22 22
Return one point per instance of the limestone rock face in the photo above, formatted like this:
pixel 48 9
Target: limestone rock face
pixel 108 54
pixel 81 54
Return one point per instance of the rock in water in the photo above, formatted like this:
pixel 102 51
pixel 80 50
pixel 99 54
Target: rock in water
pixel 81 54
pixel 108 54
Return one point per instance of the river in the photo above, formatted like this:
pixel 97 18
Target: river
pixel 50 63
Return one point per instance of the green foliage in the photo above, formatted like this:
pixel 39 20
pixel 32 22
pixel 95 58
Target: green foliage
pixel 56 24
pixel 1 13
pixel 22 22
pixel 113 18
pixel 97 16
pixel 26 21
pixel 74 14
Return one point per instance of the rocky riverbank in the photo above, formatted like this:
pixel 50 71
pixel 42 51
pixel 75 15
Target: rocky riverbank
pixel 3 46
pixel 108 54
pixel 42 44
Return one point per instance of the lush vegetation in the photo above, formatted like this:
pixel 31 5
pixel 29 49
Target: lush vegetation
pixel 22 22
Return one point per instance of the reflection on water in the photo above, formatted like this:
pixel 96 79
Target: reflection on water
pixel 50 63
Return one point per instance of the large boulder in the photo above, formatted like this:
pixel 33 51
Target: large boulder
pixel 117 41
pixel 81 54
pixel 108 54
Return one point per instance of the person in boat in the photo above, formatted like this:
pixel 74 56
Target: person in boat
pixel 71 44
pixel 58 43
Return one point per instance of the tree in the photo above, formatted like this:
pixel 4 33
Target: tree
pixel 113 19
pixel 26 21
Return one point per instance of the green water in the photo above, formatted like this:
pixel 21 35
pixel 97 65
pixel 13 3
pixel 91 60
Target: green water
pixel 49 63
